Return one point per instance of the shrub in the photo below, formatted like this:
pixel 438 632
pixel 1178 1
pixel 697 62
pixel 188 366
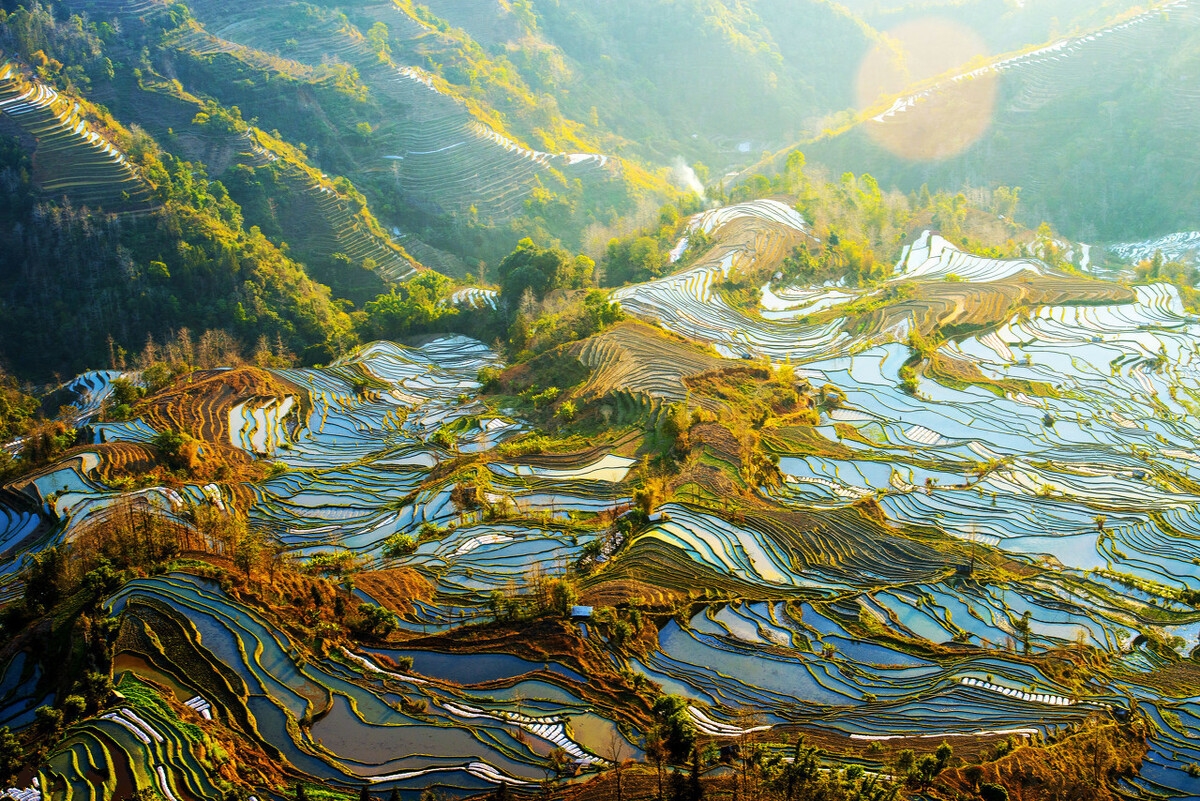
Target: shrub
pixel 418 706
pixel 48 717
pixel 992 792
pixel 74 706
pixel 549 395
pixel 180 451
pixel 11 755
pixel 489 377
pixel 444 438
pixel 373 622
pixel 337 562
pixel 399 544
pixel 562 596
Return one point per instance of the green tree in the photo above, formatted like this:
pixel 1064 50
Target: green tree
pixel 12 755
pixel 675 727
pixel 599 313
pixel 414 307
pixel 179 450
pixel 566 411
pixel 942 755
pixel 536 269
pixel 378 37
pixel 399 544
pixel 374 622
pixel 16 408
pixel 563 596
pixel 632 260
pixel 45 579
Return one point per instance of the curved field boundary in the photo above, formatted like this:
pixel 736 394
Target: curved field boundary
pixel 71 158
pixel 337 226
pixel 1057 51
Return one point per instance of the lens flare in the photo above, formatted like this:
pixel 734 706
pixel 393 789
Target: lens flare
pixel 932 122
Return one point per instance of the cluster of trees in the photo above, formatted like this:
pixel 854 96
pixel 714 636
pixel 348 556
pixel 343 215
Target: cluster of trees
pixel 834 260
pixel 535 271
pixel 418 306
pixel 644 254
pixel 545 299
pixel 1184 277
pixel 78 279
pixel 158 364
pixel 542 595
pixel 536 328
pixel 67 54
pixel 27 438
pixel 755 770
pixel 17 408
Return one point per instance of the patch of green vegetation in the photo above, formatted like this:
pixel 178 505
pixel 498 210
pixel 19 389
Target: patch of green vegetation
pixel 142 695
pixel 1183 277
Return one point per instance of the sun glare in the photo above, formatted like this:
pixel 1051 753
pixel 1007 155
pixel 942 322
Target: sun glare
pixel 932 103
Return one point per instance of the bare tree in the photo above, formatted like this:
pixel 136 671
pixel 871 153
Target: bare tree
pixel 618 752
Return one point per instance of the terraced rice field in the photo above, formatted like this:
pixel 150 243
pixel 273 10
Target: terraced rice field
pixel 632 359
pixel 1028 65
pixel 1180 246
pixel 1094 476
pixel 335 225
pixel 931 258
pixel 443 158
pixel 244 673
pixel 687 303
pixel 846 597
pixel 802 324
pixel 72 158
pixel 475 298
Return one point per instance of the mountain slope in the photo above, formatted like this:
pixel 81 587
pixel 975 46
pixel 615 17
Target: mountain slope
pixel 1099 133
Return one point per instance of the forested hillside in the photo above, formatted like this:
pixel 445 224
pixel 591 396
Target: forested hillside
pixel 1003 24
pixel 92 269
pixel 693 79
pixel 275 166
pixel 1096 133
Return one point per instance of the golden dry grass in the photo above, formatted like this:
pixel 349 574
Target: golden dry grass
pixel 1084 766
pixel 395 589
pixel 199 403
